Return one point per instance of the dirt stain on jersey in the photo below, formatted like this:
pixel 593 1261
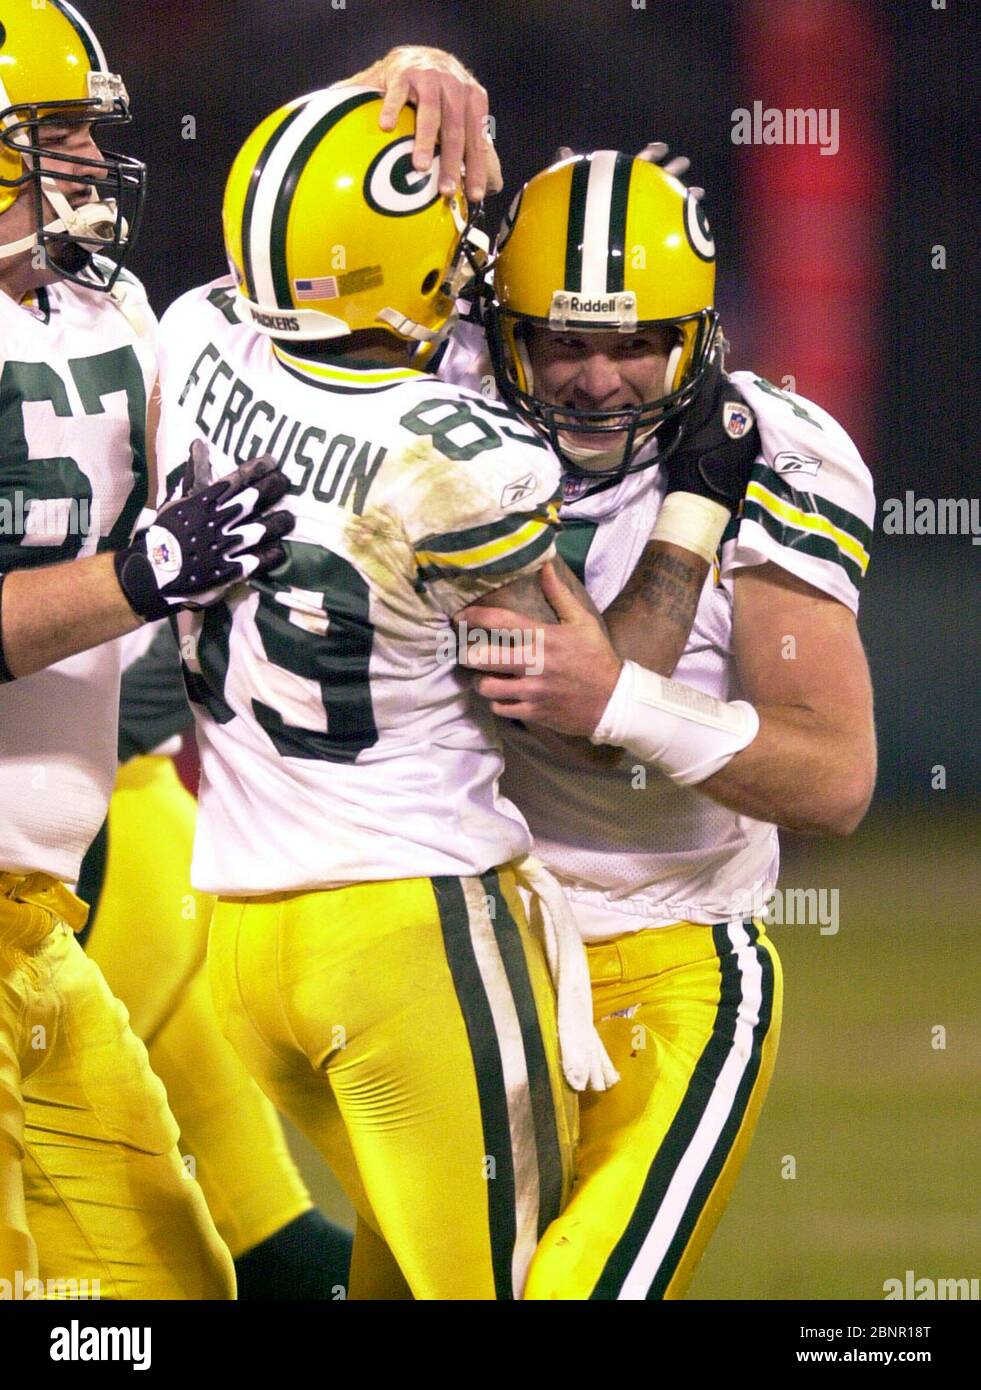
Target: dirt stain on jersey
pixel 436 494
pixel 426 494
pixel 377 544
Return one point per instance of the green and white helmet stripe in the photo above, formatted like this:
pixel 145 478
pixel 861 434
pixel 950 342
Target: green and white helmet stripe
pixel 597 224
pixel 86 33
pixel 274 184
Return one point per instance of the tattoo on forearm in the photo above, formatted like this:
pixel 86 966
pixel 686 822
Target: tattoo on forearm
pixel 665 585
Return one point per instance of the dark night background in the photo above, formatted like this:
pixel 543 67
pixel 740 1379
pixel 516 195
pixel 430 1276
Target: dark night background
pixel 824 275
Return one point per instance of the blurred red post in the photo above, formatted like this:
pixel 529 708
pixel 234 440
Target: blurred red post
pixel 813 224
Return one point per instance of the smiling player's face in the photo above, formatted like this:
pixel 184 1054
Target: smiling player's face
pixel 598 371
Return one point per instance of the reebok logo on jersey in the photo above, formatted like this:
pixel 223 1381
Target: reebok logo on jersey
pixel 518 490
pixel 788 462
pixel 737 419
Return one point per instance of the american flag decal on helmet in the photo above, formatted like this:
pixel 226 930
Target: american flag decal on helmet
pixel 323 287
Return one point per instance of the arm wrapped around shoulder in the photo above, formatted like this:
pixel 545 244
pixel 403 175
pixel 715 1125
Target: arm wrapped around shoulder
pixel 686 734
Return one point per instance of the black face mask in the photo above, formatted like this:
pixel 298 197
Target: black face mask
pixel 663 418
pixel 115 180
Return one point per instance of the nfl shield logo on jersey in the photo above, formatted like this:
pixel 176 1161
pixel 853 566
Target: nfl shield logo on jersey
pixel 736 419
pixel 573 488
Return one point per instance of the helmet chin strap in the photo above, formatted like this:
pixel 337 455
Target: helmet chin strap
pixel 580 453
pixel 674 357
pixel 93 219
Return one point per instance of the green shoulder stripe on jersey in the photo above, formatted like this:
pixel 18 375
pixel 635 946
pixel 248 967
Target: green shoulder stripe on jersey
pixel 804 542
pixel 449 542
pixel 250 197
pixel 836 533
pixel 810 501
pixel 576 226
pixel 573 542
pixel 796 406
pixel 287 190
pixel 618 223
pixel 509 555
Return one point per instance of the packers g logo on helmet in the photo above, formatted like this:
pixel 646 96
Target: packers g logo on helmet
pixel 603 242
pixel 53 72
pixel 329 230
pixel 391 185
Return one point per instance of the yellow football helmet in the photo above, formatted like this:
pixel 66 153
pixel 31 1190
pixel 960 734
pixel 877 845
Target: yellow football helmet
pixel 329 230
pixel 53 72
pixel 604 242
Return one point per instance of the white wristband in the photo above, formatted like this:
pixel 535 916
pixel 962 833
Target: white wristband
pixel 695 523
pixel 685 733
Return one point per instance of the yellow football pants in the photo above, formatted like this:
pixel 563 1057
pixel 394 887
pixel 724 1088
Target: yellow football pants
pixel 408 1028
pixel 92 1187
pixel 150 941
pixel 691 1018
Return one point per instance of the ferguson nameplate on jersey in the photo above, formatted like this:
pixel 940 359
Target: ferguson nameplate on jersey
pixel 235 420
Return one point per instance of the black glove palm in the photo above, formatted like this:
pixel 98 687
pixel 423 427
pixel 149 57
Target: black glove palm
pixel 206 538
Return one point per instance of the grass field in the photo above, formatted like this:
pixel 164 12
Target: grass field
pixel 884 1128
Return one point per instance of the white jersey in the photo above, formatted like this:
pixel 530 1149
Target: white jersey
pixel 77 369
pixel 631 847
pixel 339 740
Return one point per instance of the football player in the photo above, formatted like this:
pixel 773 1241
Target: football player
pixel 370 957
pixel 662 828
pixel 91 1183
pixel 231 1137
pixel 665 842
pixel 281 1246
